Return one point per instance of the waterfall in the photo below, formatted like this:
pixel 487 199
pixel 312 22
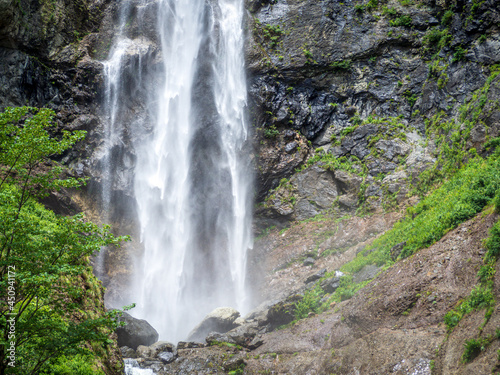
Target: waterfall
pixel 192 178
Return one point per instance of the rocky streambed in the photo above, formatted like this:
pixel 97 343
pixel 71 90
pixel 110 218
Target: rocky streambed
pixel 395 325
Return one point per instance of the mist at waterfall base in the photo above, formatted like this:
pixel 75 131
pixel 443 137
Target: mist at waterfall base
pixel 176 91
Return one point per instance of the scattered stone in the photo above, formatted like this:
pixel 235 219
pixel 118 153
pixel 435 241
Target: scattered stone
pixel 290 147
pixel 166 357
pixel 219 320
pixel 316 276
pixel 255 343
pixel 330 285
pixel 135 332
pixel 308 261
pixel 128 352
pixel 189 345
pixel 242 335
pixel 259 314
pixel 161 346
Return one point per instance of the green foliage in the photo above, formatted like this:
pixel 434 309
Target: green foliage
pixel 466 194
pixel 76 365
pixel 447 18
pixel 225 344
pixel 359 8
pixel 451 137
pixel 49 253
pixel 459 53
pixel 390 12
pixel 435 39
pixel 481 297
pixel 396 19
pixel 496 202
pixel 272 33
pixel 370 5
pixel 492 243
pixel 271 132
pixel 403 20
pixel 330 162
pixel 309 303
pixel 308 55
pixel 341 65
pixel 486 272
pixel 472 348
pixel 349 129
pixel 411 98
pixel 346 289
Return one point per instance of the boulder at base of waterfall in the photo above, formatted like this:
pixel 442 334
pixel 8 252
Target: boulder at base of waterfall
pixel 221 320
pixel 135 332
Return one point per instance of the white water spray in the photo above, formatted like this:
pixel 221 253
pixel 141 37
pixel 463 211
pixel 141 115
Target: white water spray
pixel 192 181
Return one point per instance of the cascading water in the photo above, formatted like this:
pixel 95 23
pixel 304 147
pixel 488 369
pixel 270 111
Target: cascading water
pixel 192 180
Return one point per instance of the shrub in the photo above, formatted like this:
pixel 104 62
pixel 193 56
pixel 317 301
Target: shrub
pixel 472 349
pixel 49 253
pixel 447 18
pixel 341 65
pixel 271 132
pixel 404 20
pixel 309 303
pixel 480 297
pixel 77 365
pixel 496 202
pixel 435 39
pixel 492 243
pixel 459 54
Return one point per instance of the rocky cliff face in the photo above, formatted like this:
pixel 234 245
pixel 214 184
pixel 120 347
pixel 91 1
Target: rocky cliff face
pixel 363 90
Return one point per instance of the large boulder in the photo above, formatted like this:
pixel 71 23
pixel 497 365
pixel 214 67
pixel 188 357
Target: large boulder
pixel 220 320
pixel 135 332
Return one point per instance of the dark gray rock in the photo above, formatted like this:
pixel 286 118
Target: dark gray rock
pixel 221 320
pixel 316 276
pixel 330 285
pixel 135 332
pixel 308 261
pixel 366 273
pixel 283 312
pixel 243 334
pixel 317 189
pixel 128 352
